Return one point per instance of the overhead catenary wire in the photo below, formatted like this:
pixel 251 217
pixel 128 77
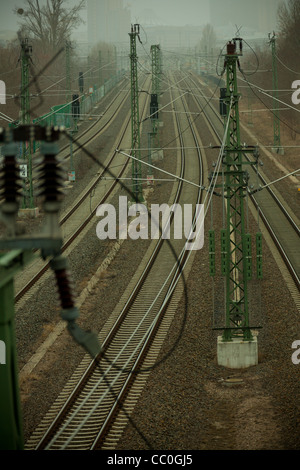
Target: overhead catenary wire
pixel 261 90
pixel 171 148
pixel 91 69
pixel 202 110
pixel 160 169
pixel 263 110
pixel 279 60
pixel 62 107
pixel 281 120
pixel 170 85
pixel 257 60
pixel 5 117
pixel 275 181
pixel 166 146
pixel 166 299
pixel 268 109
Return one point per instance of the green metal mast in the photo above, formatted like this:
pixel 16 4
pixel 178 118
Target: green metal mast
pixel 68 72
pixel 11 429
pixel 250 117
pixel 100 69
pixel 154 105
pixel 234 240
pixel 18 250
pixel 11 433
pixel 135 120
pixel 26 52
pixel 155 60
pixel 109 64
pixel 277 141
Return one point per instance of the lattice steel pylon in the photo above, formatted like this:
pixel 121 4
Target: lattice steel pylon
pixel 156 70
pixel 235 241
pixel 155 66
pixel 68 72
pixel 277 140
pixel 100 80
pixel 135 119
pixel 26 52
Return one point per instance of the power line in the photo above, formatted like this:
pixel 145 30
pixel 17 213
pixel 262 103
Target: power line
pixel 293 71
pixel 261 90
pixel 160 169
pixel 7 118
pixel 275 181
pixel 257 96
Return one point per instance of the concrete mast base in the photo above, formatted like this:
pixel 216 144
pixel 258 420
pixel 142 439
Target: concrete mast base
pixel 237 354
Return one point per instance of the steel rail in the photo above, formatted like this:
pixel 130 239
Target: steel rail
pixel 268 223
pixel 94 365
pixel 37 156
pixel 143 353
pixel 46 266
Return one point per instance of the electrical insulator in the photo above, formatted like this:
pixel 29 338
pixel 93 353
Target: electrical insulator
pixel 230 48
pixel 10 174
pixel 52 184
pixel 26 47
pixel 223 105
pixel 70 313
pixel 241 46
pixel 59 266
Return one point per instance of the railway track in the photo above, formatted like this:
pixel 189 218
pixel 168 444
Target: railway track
pixel 280 224
pixel 92 411
pixel 81 210
pixel 88 134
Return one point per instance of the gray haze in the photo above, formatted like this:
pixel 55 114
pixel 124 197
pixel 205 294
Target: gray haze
pixel 170 12
pixel 255 17
pixel 7 18
pixel 9 21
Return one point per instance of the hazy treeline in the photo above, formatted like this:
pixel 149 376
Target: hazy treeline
pixel 42 26
pixel 258 64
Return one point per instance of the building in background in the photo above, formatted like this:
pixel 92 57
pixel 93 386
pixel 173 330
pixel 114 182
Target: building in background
pixel 108 21
pixel 267 15
pixel 258 17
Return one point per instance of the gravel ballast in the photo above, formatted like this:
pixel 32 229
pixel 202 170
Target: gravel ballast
pixel 188 403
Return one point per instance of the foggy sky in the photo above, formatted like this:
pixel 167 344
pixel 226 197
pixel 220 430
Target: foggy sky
pixel 7 18
pixel 168 12
pixel 172 12
pixel 9 21
pixel 246 13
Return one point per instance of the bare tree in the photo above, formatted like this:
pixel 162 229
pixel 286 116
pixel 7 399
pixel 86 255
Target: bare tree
pixel 50 23
pixel 208 40
pixel 108 66
pixel 289 24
